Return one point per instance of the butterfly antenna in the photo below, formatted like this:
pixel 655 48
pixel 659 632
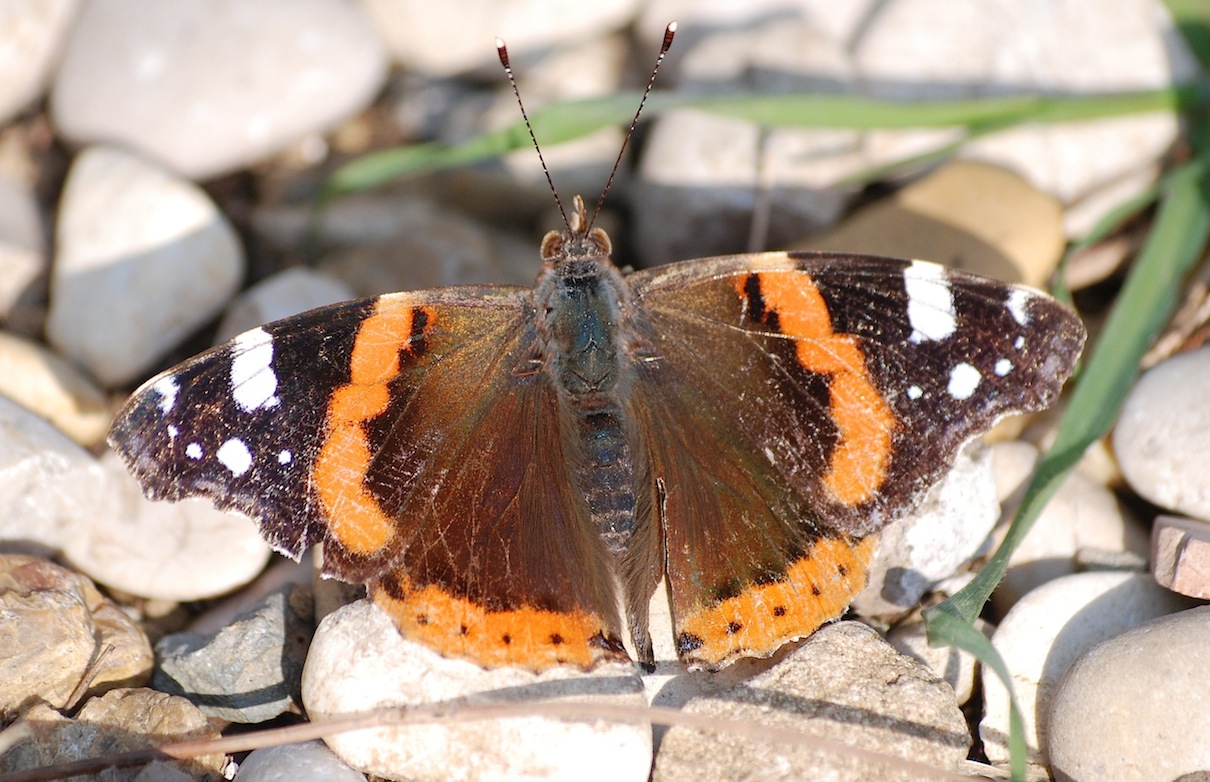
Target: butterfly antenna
pixel 669 33
pixel 502 50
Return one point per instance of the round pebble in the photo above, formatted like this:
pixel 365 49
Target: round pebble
pixel 209 88
pixel 1048 630
pixel 31 35
pixel 1134 707
pixel 23 258
pixel 143 259
pixel 285 293
pixel 310 761
pixel 1162 438
pixel 358 661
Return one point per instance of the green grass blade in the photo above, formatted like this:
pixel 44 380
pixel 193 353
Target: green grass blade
pixel 570 120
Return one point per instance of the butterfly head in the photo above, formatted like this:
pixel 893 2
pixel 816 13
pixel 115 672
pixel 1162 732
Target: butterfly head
pixel 579 242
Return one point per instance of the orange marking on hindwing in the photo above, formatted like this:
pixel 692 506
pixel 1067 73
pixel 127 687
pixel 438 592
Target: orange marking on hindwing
pixel 529 638
pixel 354 516
pixel 862 416
pixel 816 589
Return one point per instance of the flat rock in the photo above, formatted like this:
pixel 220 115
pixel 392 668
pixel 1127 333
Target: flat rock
pixel 1047 631
pixel 1134 706
pixel 56 625
pixel 1180 555
pixel 250 670
pixel 359 661
pixel 208 89
pixel 31 34
pixel 948 530
pixel 47 384
pixel 1162 438
pixel 817 714
pixel 143 259
pixel 119 721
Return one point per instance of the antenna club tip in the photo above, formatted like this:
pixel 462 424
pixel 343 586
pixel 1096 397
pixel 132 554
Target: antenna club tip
pixel 671 28
pixel 499 42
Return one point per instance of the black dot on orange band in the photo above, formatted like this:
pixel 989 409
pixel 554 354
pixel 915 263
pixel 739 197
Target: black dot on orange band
pixel 422 619
pixel 556 639
pixel 506 639
pixel 779 610
pixel 464 630
pixel 815 590
pixel 842 570
pixel 734 627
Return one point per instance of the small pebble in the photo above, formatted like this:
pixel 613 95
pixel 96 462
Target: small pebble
pixel 121 720
pixel 310 761
pixel 46 384
pixel 1180 555
pixel 844 684
pixel 1162 438
pixel 143 259
pixel 31 36
pixel 286 293
pixel 359 661
pixel 945 532
pixel 1047 631
pixel 1133 708
pixel 949 663
pixel 60 640
pixel 248 671
pixel 24 263
pixel 209 89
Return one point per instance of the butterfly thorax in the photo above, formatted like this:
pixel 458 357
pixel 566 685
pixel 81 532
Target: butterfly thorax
pixel 583 307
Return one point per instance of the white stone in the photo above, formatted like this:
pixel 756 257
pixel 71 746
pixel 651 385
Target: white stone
pixel 310 761
pixel 1162 439
pixel 452 37
pixel 285 293
pixel 31 35
pixel 55 497
pixel 1082 516
pixel 143 259
pixel 951 664
pixel 23 261
pixel 934 49
pixel 208 88
pixel 1133 708
pixel 359 661
pixel 53 388
pixel 948 530
pixel 1047 631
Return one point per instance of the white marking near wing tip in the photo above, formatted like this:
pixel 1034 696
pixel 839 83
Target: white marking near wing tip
pixel 964 379
pixel 1019 343
pixel 253 381
pixel 1003 367
pixel 167 388
pixel 235 456
pixel 285 457
pixel 172 431
pixel 1016 305
pixel 914 392
pixel 930 302
pixel 194 451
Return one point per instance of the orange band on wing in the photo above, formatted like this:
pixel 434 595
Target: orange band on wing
pixel 525 638
pixel 354 516
pixel 862 416
pixel 816 588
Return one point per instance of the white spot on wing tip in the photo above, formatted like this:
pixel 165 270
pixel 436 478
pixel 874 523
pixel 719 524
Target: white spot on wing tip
pixel 1003 367
pixel 964 379
pixel 1017 301
pixel 915 392
pixel 285 457
pixel 253 381
pixel 194 451
pixel 167 388
pixel 930 302
pixel 235 456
